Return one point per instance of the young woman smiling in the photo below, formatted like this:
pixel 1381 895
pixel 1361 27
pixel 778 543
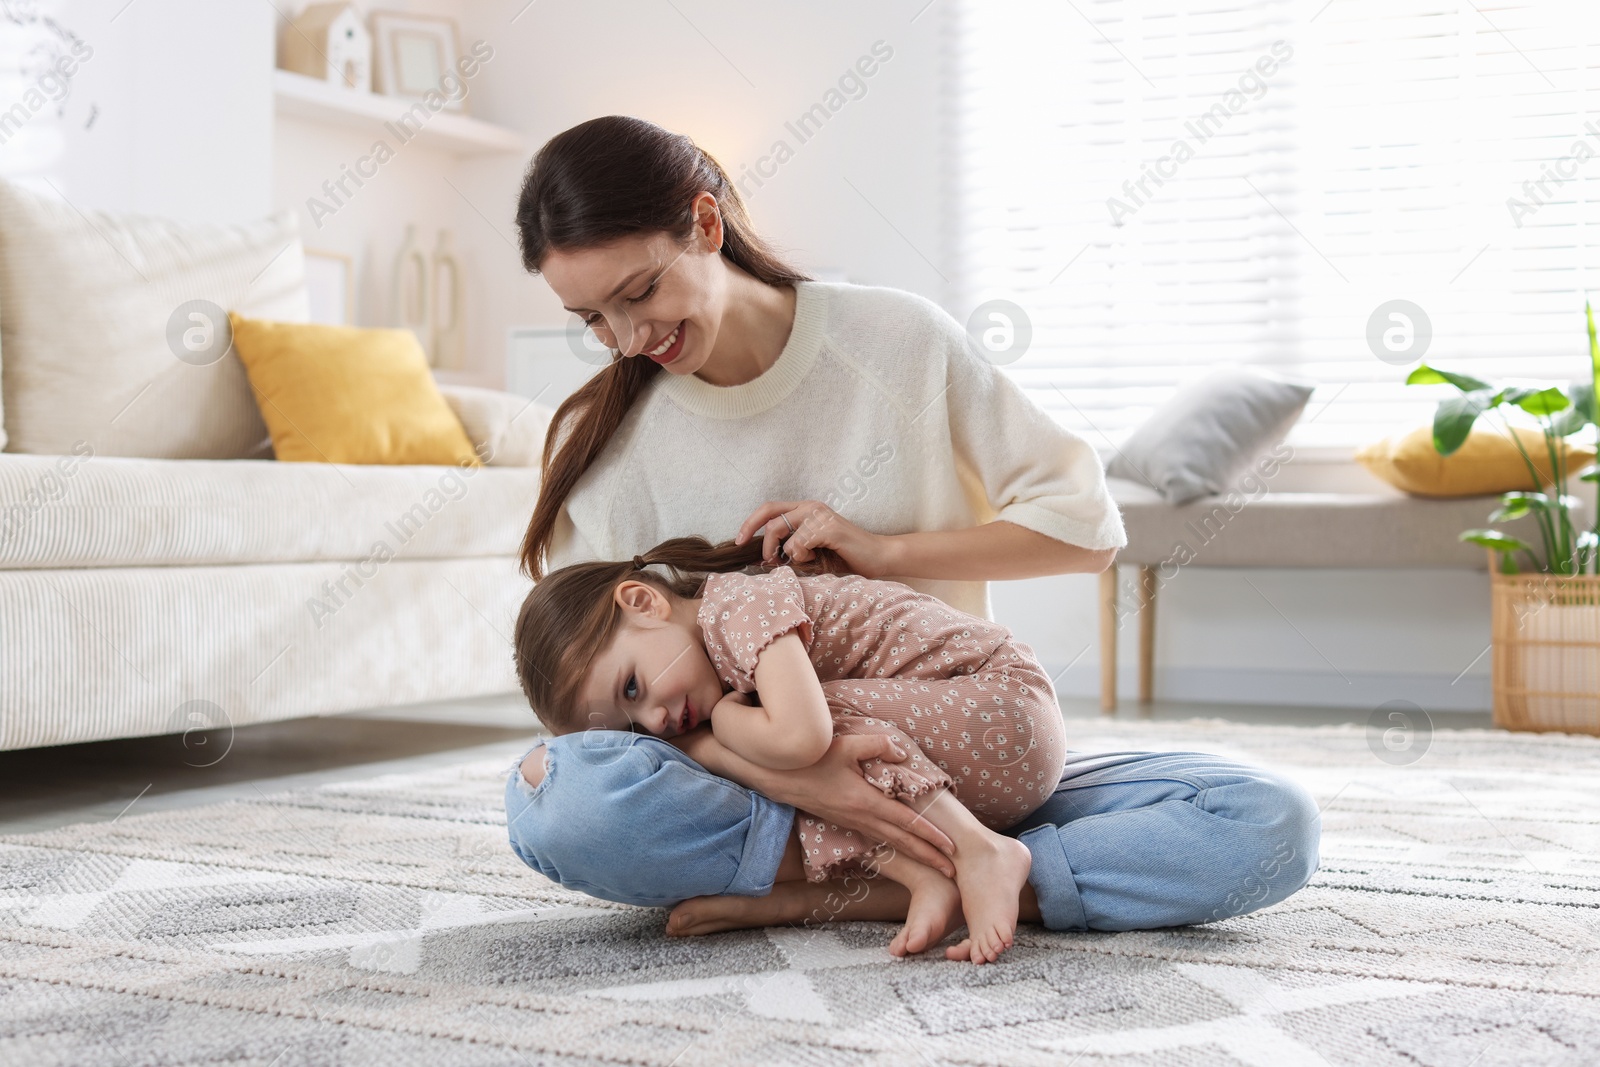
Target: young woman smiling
pixel 742 399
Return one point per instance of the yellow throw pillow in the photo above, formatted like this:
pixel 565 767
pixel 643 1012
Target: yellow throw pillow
pixel 1487 462
pixel 337 394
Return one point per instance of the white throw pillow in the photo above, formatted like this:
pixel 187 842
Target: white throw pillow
pixel 505 430
pixel 96 309
pixel 1208 432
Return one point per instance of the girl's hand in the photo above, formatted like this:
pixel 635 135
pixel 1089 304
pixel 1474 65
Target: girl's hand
pixel 816 525
pixel 835 789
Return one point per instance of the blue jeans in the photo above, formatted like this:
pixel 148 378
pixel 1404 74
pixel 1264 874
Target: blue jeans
pixel 1129 840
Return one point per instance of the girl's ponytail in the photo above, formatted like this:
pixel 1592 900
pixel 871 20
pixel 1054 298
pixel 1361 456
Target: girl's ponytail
pixel 583 425
pixel 692 558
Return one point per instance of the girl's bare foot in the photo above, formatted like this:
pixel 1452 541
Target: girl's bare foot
pixel 935 907
pixel 990 874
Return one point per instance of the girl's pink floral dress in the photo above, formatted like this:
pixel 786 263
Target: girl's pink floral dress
pixel 967 703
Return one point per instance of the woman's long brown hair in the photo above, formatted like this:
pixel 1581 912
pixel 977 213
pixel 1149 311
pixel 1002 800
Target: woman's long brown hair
pixel 603 179
pixel 571 615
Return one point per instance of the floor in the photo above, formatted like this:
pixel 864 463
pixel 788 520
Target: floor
pixel 100 781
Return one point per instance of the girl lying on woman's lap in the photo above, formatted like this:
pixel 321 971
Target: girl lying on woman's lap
pixel 617 646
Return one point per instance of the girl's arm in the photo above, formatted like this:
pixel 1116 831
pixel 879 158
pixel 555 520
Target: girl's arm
pixel 833 789
pixel 793 727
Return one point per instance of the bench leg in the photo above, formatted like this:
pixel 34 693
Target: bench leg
pixel 1147 635
pixel 1108 640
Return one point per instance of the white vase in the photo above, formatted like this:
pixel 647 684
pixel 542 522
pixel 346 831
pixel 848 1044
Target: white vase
pixel 412 304
pixel 449 318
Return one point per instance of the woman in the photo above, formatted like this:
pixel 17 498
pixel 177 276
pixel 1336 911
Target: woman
pixel 747 401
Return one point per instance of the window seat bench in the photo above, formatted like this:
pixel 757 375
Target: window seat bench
pixel 1271 529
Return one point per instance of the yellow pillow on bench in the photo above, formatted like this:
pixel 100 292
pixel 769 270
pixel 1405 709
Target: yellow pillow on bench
pixel 1487 462
pixel 337 394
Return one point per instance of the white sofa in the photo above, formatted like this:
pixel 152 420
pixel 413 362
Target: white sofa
pixel 156 574
pixel 148 596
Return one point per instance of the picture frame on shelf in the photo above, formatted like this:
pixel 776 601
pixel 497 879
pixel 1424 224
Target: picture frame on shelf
pixel 414 55
pixel 331 288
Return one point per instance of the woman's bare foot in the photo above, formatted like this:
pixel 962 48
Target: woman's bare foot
pixel 935 907
pixel 792 903
pixel 787 903
pixel 990 874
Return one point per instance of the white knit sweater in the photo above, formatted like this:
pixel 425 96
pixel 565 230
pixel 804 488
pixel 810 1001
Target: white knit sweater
pixel 877 406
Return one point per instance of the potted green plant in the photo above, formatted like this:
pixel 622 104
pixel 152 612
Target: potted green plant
pixel 1544 587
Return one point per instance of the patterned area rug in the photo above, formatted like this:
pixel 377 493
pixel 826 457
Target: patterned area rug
pixel 1454 922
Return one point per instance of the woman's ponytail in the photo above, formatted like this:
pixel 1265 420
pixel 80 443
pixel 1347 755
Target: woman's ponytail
pixel 593 412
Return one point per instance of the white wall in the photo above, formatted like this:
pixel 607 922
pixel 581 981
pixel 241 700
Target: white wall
pixel 170 114
pixel 730 75
pixel 370 227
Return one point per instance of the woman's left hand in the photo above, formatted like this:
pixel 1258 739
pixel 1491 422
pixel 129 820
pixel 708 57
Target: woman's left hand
pixel 816 525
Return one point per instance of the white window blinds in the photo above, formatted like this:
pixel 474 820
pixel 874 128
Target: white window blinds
pixel 1168 185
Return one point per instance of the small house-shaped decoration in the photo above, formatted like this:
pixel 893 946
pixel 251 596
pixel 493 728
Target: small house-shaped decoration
pixel 329 41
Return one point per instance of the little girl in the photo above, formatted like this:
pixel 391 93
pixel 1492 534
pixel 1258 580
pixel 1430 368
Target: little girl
pixel 617 646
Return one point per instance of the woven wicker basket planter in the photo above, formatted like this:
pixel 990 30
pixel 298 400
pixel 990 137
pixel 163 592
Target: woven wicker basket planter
pixel 1546 667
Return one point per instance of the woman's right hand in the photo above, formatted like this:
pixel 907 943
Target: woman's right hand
pixel 834 789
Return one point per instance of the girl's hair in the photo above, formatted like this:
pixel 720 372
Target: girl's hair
pixel 602 180
pixel 571 615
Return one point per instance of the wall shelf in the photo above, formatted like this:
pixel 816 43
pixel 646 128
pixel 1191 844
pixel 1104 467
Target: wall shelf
pixel 315 100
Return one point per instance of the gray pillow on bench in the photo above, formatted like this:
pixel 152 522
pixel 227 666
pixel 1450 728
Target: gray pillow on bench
pixel 1206 435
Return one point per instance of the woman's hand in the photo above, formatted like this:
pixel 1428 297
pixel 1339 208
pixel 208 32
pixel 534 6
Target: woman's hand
pixel 834 789
pixel 816 525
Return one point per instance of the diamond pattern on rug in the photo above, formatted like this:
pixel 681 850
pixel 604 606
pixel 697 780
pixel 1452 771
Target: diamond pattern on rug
pixel 260 909
pixel 1453 922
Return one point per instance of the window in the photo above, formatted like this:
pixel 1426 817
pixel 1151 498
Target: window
pixel 1164 186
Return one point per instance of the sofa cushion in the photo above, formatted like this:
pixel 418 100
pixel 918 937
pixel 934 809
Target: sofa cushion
pixel 506 430
pixel 112 332
pixel 98 511
pixel 344 394
pixel 1489 461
